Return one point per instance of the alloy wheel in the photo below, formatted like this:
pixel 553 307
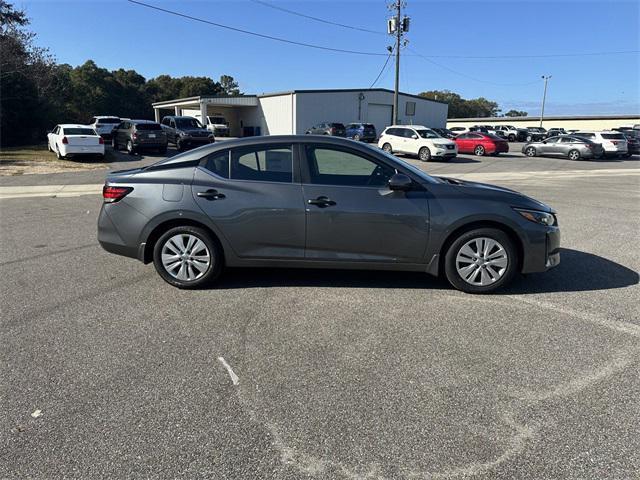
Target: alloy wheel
pixel 482 261
pixel 185 257
pixel 530 152
pixel 479 150
pixel 574 155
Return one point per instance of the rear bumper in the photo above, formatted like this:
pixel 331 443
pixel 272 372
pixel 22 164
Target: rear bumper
pixel 141 145
pixel 72 150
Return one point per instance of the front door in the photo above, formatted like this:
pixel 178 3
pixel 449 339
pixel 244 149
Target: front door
pixel 351 213
pixel 251 195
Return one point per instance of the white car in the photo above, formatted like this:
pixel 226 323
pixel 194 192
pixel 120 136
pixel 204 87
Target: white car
pixel 104 125
pixel 614 143
pixel 459 130
pixel 68 140
pixel 508 131
pixel 417 140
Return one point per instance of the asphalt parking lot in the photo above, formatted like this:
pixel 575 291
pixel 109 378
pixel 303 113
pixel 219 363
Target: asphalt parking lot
pixel 289 374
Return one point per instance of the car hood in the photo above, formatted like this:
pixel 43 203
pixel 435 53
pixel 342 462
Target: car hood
pixel 514 198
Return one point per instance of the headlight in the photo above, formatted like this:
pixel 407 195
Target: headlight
pixel 543 218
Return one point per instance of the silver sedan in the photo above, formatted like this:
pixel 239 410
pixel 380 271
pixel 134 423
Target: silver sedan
pixel 570 146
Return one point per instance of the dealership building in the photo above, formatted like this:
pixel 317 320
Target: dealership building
pixel 294 112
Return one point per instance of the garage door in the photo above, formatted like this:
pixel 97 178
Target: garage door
pixel 380 115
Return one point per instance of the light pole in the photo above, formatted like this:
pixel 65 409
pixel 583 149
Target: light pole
pixel 544 96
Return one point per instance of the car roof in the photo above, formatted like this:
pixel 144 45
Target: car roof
pixel 136 121
pixel 74 125
pixel 408 126
pixel 105 116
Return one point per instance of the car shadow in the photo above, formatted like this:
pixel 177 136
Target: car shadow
pixel 578 271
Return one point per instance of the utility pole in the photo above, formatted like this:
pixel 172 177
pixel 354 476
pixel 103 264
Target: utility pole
pixel 544 96
pixel 397 26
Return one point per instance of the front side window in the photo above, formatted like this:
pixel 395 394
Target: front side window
pixel 272 163
pixel 552 139
pixel 427 133
pixel 329 166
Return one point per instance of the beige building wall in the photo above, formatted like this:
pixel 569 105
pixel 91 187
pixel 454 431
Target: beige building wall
pixel 568 123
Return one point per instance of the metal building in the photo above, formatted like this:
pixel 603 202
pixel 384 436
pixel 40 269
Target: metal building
pixel 296 111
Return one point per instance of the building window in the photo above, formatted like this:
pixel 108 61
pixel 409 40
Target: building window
pixel 410 109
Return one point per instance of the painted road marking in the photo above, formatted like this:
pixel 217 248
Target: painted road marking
pixel 234 378
pixel 540 176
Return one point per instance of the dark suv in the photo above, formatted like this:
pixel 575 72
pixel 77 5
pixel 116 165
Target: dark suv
pixel 361 131
pixel 328 128
pixel 137 135
pixel 185 132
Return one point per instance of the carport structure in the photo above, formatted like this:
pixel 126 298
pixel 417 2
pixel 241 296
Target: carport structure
pixel 239 111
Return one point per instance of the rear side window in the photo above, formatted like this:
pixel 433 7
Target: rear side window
pixel 79 131
pixel 337 125
pixel 613 136
pixel 218 163
pixel 109 120
pixel 148 126
pixel 266 164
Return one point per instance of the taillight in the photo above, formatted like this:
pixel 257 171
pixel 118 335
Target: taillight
pixel 134 135
pixel 101 140
pixel 333 130
pixel 65 140
pixel 112 194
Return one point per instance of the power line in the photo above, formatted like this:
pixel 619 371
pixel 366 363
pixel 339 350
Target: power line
pixel 488 82
pixel 322 20
pixel 255 34
pixel 383 68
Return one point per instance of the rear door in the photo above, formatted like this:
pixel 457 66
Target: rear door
pixel 353 216
pixel 253 195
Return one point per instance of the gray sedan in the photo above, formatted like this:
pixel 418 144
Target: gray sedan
pixel 320 202
pixel 569 146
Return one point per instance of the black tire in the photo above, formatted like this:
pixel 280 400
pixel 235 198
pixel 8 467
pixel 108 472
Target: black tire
pixel 479 150
pixel 179 146
pixel 387 148
pixel 215 253
pixel 530 152
pixel 450 262
pixel 58 155
pixel 528 138
pixel 114 144
pixel 574 155
pixel 162 151
pixel 424 154
pixel 356 137
pixel 512 138
pixel 131 150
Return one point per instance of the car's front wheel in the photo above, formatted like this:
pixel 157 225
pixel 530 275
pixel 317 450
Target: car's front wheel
pixel 114 143
pixel 530 152
pixel 187 257
pixel 356 137
pixel 574 155
pixel 481 260
pixel 424 154
pixel 479 150
pixel 512 138
pixel 387 148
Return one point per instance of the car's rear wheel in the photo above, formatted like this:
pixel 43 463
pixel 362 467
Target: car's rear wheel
pixel 424 154
pixel 114 143
pixel 574 155
pixel 530 152
pixel 59 156
pixel 528 138
pixel 479 150
pixel 512 138
pixel 387 148
pixel 187 257
pixel 356 137
pixel 130 148
pixel 162 151
pixel 481 260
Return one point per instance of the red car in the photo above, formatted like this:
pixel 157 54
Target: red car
pixel 480 143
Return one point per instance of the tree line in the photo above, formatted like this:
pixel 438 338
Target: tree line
pixel 475 107
pixel 36 92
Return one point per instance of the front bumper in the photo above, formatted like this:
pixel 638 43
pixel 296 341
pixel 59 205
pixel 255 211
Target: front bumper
pixel 541 249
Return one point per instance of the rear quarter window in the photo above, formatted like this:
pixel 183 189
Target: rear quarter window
pixel 613 136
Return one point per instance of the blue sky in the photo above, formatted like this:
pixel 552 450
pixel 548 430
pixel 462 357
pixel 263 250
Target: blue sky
pixel 118 34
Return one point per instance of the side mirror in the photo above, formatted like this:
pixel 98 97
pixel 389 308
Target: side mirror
pixel 415 137
pixel 400 182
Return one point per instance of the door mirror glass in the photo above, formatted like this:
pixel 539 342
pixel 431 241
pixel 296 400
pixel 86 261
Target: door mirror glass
pixel 414 136
pixel 400 182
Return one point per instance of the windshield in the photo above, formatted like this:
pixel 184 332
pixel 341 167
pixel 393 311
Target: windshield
pixel 613 136
pixel 188 123
pixel 79 131
pixel 109 120
pixel 428 134
pixel 218 120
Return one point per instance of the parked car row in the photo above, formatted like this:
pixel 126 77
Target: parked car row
pixel 579 145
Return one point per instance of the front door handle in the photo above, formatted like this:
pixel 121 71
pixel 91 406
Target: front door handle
pixel 322 202
pixel 211 195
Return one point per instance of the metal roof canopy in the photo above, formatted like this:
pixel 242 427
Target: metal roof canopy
pixel 224 101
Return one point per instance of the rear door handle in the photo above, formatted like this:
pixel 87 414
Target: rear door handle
pixel 211 195
pixel 322 202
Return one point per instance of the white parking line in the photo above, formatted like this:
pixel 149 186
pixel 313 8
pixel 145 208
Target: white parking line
pixel 234 378
pixel 539 176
